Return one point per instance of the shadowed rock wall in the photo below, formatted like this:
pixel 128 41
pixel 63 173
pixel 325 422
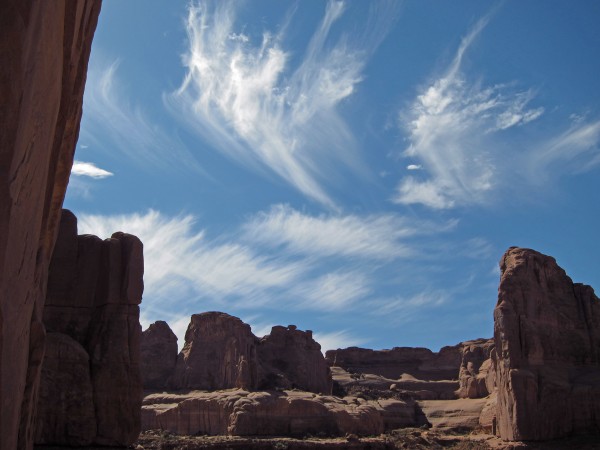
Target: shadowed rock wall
pixel 44 51
pixel 91 389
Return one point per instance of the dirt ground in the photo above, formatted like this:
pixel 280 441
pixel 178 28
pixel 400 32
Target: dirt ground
pixel 409 438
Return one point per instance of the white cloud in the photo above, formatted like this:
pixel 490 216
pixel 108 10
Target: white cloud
pixel 244 97
pixel 87 169
pixel 577 149
pixel 338 339
pixel 181 262
pixel 451 127
pixel 114 124
pixel 333 291
pixel 382 236
pixel 414 167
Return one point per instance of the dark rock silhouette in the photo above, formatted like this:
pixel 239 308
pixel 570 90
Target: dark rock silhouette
pixel 91 388
pixel 44 51
pixel 547 337
pixel 158 355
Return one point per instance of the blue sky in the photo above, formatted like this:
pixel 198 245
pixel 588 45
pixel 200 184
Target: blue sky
pixel 354 168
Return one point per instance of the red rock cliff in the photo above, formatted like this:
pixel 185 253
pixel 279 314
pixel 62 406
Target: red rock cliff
pixel 547 333
pixel 44 51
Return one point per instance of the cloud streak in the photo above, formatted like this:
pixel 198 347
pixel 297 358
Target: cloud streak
pixel 452 127
pixel 245 98
pixel 117 126
pixel 86 169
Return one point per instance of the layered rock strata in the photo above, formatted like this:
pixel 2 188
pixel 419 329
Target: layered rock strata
pixel 44 51
pixel 420 363
pixel 547 337
pixel 158 355
pixel 91 388
pixel 221 352
pixel 281 413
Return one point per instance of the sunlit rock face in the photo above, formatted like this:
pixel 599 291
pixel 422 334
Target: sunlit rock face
pixel 91 390
pixel 274 413
pixel 547 333
pixel 44 51
pixel 158 355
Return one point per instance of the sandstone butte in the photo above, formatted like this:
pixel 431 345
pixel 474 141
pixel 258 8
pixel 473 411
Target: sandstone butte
pixel 44 51
pixel 221 352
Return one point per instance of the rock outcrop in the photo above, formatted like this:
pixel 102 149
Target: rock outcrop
pixel 290 358
pixel 547 337
pixel 158 355
pixel 474 375
pixel 282 413
pixel 44 51
pixel 220 352
pixel 421 363
pixel 91 388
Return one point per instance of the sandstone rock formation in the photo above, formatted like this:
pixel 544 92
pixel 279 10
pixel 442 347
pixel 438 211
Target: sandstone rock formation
pixel 44 50
pixel 285 413
pixel 91 388
pixel 291 358
pixel 220 352
pixel 547 337
pixel 421 363
pixel 474 375
pixel 158 355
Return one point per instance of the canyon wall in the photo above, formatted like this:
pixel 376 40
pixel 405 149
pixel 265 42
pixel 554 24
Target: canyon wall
pixel 44 51
pixel 91 388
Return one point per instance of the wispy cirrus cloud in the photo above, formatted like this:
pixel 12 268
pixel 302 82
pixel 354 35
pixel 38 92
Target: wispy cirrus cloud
pixel 377 236
pixel 452 127
pixel 181 262
pixel 87 169
pixel 115 124
pixel 245 98
pixel 576 150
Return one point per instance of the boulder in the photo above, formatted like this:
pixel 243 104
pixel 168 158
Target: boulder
pixel 93 303
pixel 290 358
pixel 158 355
pixel 44 51
pixel 547 350
pixel 219 353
